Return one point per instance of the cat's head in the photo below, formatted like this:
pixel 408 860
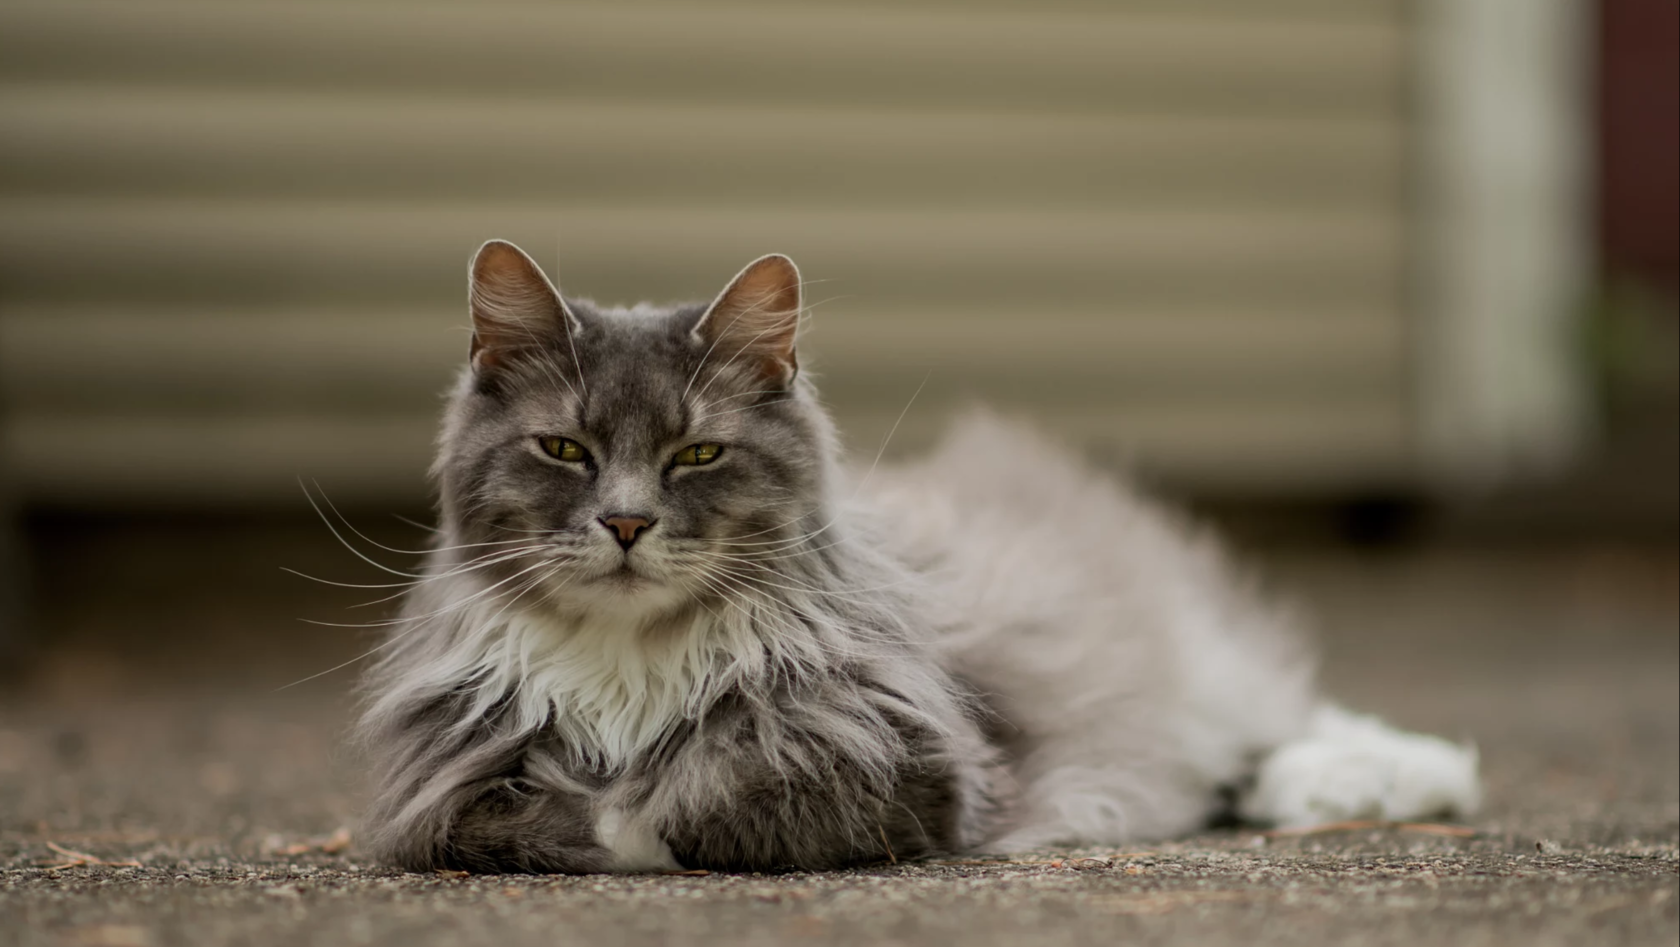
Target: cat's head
pixel 630 460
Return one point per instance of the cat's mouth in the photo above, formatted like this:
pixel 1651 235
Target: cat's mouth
pixel 624 577
pixel 618 576
pixel 630 587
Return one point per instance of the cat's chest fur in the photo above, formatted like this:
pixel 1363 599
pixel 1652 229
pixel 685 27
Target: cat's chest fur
pixel 603 693
pixel 608 689
pixel 666 734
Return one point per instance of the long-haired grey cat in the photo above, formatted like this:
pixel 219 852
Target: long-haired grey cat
pixel 665 627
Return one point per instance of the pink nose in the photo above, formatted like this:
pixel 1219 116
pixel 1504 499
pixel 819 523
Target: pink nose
pixel 625 528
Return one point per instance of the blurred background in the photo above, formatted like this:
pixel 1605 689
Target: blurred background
pixel 1400 274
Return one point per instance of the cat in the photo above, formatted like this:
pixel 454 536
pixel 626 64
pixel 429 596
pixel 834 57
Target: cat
pixel 664 628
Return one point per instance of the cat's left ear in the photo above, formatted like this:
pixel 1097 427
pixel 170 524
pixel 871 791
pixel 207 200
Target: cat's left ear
pixel 755 318
pixel 514 306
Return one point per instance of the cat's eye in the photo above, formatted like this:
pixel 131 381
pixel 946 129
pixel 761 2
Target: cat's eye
pixel 695 455
pixel 563 448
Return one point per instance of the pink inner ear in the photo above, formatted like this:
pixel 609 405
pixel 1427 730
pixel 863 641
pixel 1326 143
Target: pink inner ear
pixel 758 317
pixel 513 304
pixel 771 285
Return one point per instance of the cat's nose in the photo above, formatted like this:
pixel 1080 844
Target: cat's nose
pixel 625 527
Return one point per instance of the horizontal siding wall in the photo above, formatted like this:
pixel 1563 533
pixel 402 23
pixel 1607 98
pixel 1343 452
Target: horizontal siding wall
pixel 233 236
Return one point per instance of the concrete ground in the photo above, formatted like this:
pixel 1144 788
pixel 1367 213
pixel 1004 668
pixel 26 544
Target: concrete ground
pixel 151 733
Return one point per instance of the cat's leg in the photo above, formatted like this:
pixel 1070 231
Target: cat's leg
pixel 501 826
pixel 515 826
pixel 1350 766
pixel 765 820
pixel 821 786
pixel 485 802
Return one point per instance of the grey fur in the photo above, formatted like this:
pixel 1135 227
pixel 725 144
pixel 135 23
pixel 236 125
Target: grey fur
pixel 789 667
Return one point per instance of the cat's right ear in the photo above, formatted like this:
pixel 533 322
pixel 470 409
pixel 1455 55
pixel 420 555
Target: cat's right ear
pixel 757 316
pixel 514 306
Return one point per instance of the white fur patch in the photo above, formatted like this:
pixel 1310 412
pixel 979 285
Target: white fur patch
pixel 635 845
pixel 1356 767
pixel 611 690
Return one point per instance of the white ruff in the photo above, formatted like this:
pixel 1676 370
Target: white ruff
pixel 610 689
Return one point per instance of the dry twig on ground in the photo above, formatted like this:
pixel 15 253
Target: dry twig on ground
pixel 75 859
pixel 330 845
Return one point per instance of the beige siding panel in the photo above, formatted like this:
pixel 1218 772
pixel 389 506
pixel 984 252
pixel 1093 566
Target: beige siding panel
pixel 896 56
pixel 1303 445
pixel 193 460
pixel 382 460
pixel 256 252
pixel 212 362
pixel 196 142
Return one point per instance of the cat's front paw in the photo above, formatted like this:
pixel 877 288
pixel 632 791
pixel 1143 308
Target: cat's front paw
pixel 635 845
pixel 1354 767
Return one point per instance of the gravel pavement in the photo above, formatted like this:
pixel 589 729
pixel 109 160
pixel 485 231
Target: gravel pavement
pixel 151 733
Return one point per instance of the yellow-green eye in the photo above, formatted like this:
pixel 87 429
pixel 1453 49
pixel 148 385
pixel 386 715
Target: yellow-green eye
pixel 696 454
pixel 561 448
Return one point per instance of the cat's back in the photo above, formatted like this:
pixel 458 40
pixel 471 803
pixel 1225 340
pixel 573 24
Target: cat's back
pixel 1001 512
pixel 1007 526
pixel 1098 622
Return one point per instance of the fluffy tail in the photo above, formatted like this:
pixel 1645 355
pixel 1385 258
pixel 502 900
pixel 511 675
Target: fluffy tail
pixel 1350 766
